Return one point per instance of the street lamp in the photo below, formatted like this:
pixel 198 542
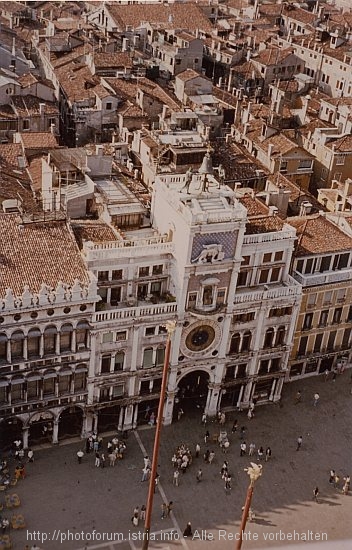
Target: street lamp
pixel 170 327
pixel 254 472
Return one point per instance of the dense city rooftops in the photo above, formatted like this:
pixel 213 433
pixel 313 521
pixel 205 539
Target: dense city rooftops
pixel 317 235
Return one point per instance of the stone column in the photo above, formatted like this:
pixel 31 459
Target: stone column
pixel 271 396
pixel 95 423
pixel 25 435
pixel 57 343
pixel 130 420
pixel 55 439
pixel 212 399
pixel 25 349
pixel 121 424
pixel 278 389
pixel 247 393
pixel 87 423
pixel 73 341
pixel 8 351
pixel 41 345
pixel 169 407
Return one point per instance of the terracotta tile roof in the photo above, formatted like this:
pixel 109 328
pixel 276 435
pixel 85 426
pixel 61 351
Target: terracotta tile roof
pixel 313 125
pixel 171 16
pixel 189 74
pixel 27 105
pixel 36 253
pixel 12 7
pixel 7 112
pixel 15 184
pixel 339 101
pixel 28 79
pixel 127 89
pixel 270 9
pixel 317 235
pixel 94 231
pixel 39 140
pixel 272 56
pixel 9 153
pixel 298 14
pixel 131 110
pixel 113 60
pixel 343 144
pixel 267 224
pixel 35 173
pixel 254 206
pixel 74 79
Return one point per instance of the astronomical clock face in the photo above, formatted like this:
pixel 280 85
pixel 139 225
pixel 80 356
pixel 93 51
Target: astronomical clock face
pixel 200 338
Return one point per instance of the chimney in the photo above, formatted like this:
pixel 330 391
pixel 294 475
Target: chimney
pixel 270 150
pixel 52 129
pixel 41 109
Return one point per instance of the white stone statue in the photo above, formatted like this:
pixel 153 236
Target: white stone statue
pixel 211 253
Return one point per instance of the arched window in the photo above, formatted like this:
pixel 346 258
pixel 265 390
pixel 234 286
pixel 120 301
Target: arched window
pixel 246 341
pixel 269 338
pixel 17 388
pixel 208 295
pixel 82 335
pixel 50 340
pixel 160 355
pixel 33 343
pixel 33 381
pixel 49 382
pixel 280 336
pixel 3 346
pixel 235 343
pixel 65 380
pixel 17 339
pixel 65 337
pixel 148 358
pixel 80 377
pixel 4 385
pixel 119 361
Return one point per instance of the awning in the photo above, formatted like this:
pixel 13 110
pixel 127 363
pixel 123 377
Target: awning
pixel 49 375
pixel 33 378
pixel 66 328
pixel 81 369
pixel 4 383
pixel 50 330
pixel 83 325
pixel 34 333
pixel 17 381
pixel 3 337
pixel 17 335
pixel 66 372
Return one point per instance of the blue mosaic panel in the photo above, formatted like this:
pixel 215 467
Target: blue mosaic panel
pixel 226 239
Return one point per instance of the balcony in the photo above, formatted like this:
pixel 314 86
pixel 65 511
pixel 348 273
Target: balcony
pixel 113 250
pixel 147 310
pixel 268 292
pixel 315 279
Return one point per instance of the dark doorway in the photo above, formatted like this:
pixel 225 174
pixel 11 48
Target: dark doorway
pixel 108 418
pixel 146 409
pixel 41 431
pixel 70 423
pixel 230 398
pixel 192 392
pixel 10 430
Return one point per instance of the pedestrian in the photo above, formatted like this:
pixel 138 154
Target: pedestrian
pixel 96 445
pixel 152 419
pixel 316 493
pixel 224 470
pixel 332 476
pixel 163 510
pixel 234 426
pixel 249 414
pixel 346 485
pixel 267 454
pixel 146 461
pixel 336 481
pixel 180 414
pixel 222 419
pixel 188 531
pixel 204 419
pixel 175 478
pixel 211 457
pixel 30 455
pixel 206 436
pixel 142 514
pixel 135 517
pixel 228 483
pixel 102 460
pixel 197 450
pixel 97 460
pixel 260 453
pixel 298 397
pixel 80 455
pixel 243 448
pixel 156 481
pixel 199 475
pixel 326 375
pixel 169 508
pixel 243 431
pixel 316 399
pixel 206 456
pixel 145 473
pixel 299 443
pixel 251 449
pixel 112 458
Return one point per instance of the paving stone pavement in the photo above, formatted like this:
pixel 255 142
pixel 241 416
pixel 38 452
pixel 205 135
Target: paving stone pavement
pixel 61 498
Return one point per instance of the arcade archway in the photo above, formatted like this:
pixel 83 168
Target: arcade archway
pixel 10 429
pixel 41 427
pixel 192 392
pixel 70 422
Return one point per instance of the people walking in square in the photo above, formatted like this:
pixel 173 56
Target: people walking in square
pixel 267 454
pixel 204 419
pixel 243 432
pixel 336 481
pixel 169 508
pixel 315 494
pixel 199 475
pixel 316 399
pixel 80 455
pixel 251 449
pixel 175 478
pixel 260 453
pixel 228 483
pixel 142 514
pixel 299 442
pixel 243 448
pixel 211 457
pixel 102 460
pixel 224 469
pixel 197 450
pixel 346 485
pixel 163 510
pixel 206 456
pixel 332 476
pixel 112 458
pixel 97 460
pixel 145 473
pixel 188 530
pixel 234 427
pixel 298 397
pixel 30 455
pixel 206 436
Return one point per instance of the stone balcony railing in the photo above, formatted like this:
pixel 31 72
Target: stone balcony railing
pixel 268 293
pixel 323 278
pixel 128 248
pixel 150 310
